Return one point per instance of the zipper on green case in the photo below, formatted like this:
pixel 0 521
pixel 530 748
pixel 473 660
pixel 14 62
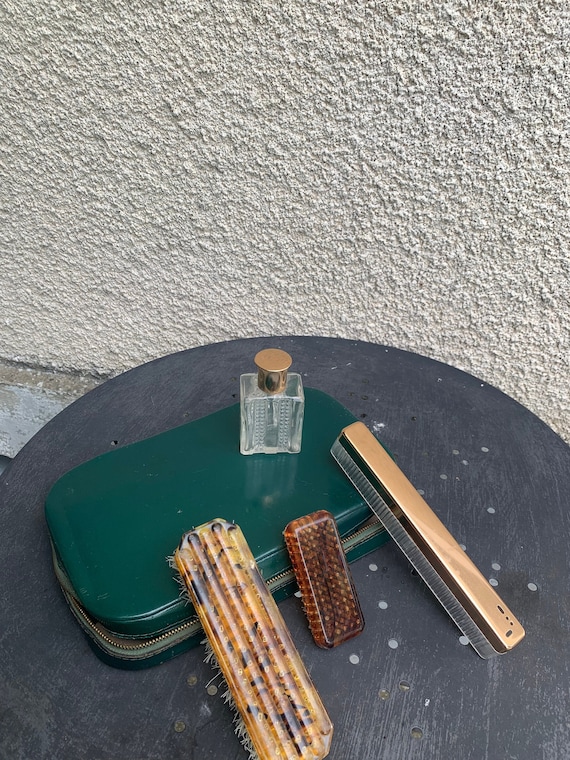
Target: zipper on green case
pixel 134 649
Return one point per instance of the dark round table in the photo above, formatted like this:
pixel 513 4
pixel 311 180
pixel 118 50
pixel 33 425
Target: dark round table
pixel 407 687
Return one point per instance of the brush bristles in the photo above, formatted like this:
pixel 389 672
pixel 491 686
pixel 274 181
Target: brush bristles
pixel 182 590
pixel 240 728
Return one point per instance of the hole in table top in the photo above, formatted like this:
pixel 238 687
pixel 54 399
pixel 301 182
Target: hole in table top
pixel 179 726
pixel 416 732
pixel 384 694
pixel 404 686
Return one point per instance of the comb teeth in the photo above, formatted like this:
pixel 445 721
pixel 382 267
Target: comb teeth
pixel 279 705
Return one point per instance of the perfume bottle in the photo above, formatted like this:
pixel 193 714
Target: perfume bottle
pixel 272 404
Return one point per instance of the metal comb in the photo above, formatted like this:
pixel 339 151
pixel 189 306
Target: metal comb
pixel 463 591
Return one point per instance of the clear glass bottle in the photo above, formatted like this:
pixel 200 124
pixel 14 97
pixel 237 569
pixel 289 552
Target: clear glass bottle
pixel 272 404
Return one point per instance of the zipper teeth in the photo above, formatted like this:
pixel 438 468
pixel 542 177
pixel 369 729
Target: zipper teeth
pixel 366 528
pixel 194 620
pixel 132 647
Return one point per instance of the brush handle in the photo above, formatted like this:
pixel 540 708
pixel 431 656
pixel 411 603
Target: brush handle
pixel 281 710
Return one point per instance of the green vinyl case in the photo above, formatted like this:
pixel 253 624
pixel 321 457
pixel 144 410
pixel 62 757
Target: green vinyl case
pixel 115 520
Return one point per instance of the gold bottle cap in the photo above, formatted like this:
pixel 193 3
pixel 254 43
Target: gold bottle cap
pixel 272 365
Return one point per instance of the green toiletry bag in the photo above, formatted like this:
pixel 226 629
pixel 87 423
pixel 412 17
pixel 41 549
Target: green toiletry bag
pixel 115 520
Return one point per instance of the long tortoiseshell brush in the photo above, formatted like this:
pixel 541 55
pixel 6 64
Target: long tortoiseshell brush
pixel 282 712
pixel 463 591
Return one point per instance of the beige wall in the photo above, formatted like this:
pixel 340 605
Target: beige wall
pixel 179 173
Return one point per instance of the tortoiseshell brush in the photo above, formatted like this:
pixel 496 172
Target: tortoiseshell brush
pixel 278 703
pixel 325 582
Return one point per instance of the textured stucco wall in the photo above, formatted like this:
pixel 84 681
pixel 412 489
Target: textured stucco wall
pixel 183 172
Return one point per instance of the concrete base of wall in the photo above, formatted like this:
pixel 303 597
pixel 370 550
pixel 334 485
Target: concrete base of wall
pixel 29 398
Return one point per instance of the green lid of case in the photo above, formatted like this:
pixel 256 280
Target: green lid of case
pixel 115 519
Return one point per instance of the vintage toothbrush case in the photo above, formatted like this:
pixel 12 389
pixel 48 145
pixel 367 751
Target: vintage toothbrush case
pixel 114 520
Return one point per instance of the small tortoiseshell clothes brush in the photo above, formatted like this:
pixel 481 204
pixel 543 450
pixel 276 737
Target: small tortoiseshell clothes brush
pixel 282 714
pixel 325 582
